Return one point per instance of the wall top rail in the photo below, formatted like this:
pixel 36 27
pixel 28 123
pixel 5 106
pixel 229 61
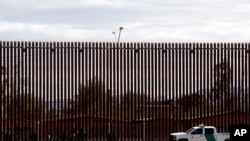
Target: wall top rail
pixel 126 45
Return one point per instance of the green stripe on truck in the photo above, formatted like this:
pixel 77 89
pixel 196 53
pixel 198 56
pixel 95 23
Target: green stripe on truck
pixel 210 137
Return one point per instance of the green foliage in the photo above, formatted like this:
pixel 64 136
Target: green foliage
pixel 25 106
pixel 18 102
pixel 93 99
pixel 222 83
pixel 3 82
pixel 133 104
pixel 191 101
pixel 193 104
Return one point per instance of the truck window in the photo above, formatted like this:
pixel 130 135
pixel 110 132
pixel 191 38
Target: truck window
pixel 197 131
pixel 189 130
pixel 209 131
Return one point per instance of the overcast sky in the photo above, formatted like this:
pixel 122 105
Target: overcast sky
pixel 143 20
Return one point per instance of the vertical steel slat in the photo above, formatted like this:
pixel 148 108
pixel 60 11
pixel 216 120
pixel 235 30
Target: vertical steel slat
pixel 38 91
pixel 84 56
pixel 12 87
pixel 200 76
pixel 9 63
pixel 24 87
pixel 124 127
pixel 67 82
pixel 64 82
pixel 118 91
pixel 170 69
pixel 150 84
pixel 241 71
pixel 241 105
pixel 129 89
pixel 134 91
pixel 50 90
pixel 237 77
pixel 74 81
pixel 124 78
pixel 71 82
pixel 43 62
pixel 201 83
pixel 194 75
pixel 46 88
pixel 117 82
pixel 29 98
pixel 145 88
pixel 8 92
pixel 1 90
pixel 22 46
pixel 243 83
pixel 56 101
pixel 101 77
pixel 78 82
pixel 246 80
pixel 248 77
pixel 204 81
pixel 206 62
pixel 160 93
pixel 117 94
pixel 206 56
pixel 175 65
pixel 58 83
pixel 108 86
pixel 106 124
pixel 88 78
pixel 33 95
pixel 4 97
pixel 210 53
pixel 113 86
pixel 142 91
pixel 18 84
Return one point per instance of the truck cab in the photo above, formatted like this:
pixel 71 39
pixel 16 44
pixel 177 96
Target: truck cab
pixel 200 133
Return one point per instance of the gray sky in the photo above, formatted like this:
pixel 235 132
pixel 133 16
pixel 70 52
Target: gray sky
pixel 143 20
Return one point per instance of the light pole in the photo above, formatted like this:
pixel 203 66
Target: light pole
pixel 120 30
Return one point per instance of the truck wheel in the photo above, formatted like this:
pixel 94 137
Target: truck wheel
pixel 227 139
pixel 183 140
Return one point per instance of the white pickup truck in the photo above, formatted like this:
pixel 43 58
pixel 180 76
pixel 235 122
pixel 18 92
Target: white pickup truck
pixel 200 133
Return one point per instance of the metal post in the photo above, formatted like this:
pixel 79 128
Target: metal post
pixel 109 134
pixel 144 132
pixel 38 131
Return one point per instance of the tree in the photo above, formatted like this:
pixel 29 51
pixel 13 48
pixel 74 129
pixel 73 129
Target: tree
pixel 3 83
pixel 190 101
pixel 92 98
pixel 222 84
pixel 2 80
pixel 16 100
pixel 133 104
pixel 26 106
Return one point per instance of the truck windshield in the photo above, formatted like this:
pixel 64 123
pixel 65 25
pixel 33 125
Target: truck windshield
pixel 189 130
